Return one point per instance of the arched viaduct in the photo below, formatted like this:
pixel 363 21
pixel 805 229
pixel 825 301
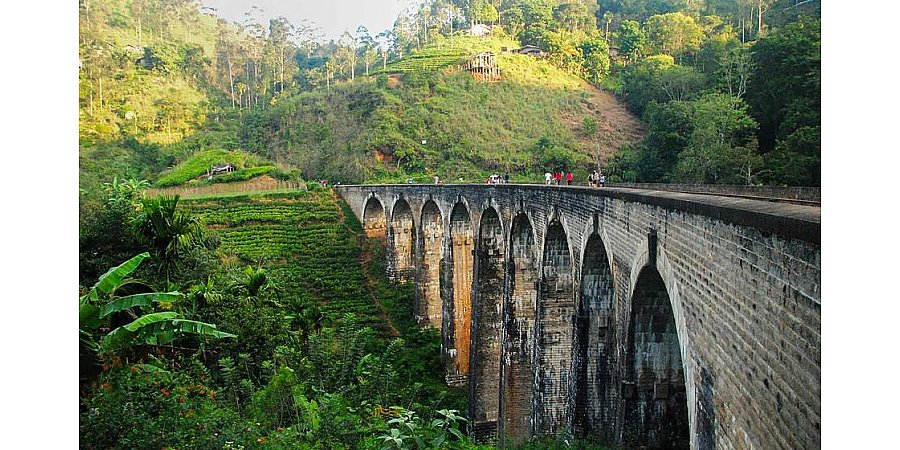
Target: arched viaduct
pixel 653 319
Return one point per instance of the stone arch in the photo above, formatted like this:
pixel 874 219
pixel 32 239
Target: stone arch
pixel 654 391
pixel 556 317
pixel 374 222
pixel 595 410
pixel 429 277
pixel 666 270
pixel 487 324
pixel 403 242
pixel 517 371
pixel 462 246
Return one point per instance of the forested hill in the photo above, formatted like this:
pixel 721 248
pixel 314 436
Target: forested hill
pixel 705 91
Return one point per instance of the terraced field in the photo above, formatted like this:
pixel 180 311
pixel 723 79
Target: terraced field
pixel 427 60
pixel 304 240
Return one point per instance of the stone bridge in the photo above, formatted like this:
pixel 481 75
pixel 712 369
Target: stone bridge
pixel 650 319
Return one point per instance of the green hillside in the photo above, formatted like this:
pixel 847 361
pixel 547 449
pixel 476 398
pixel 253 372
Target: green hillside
pixel 373 130
pixel 162 72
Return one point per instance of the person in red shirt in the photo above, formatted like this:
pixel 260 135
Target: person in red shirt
pixel 558 177
pixel 568 178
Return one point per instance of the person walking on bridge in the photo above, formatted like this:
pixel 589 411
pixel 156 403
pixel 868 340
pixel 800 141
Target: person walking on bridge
pixel 568 178
pixel 547 178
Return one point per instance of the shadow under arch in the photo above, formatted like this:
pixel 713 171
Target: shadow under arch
pixel 487 325
pixel 654 392
pixel 402 239
pixel 595 409
pixel 517 363
pixel 374 221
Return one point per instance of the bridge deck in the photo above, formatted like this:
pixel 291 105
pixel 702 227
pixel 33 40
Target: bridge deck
pixel 799 221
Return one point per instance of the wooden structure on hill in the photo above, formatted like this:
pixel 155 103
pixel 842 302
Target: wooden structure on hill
pixel 530 50
pixel 483 67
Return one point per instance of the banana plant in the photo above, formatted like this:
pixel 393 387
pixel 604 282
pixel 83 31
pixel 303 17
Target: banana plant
pixel 154 328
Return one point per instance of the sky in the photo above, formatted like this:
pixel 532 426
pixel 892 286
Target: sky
pixel 333 16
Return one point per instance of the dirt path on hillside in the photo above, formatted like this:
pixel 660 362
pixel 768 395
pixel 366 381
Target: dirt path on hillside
pixel 616 125
pixel 365 261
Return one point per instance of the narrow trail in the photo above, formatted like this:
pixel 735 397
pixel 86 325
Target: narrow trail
pixel 365 261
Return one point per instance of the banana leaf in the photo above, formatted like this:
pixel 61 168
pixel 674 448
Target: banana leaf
pixel 157 329
pixel 88 316
pixel 201 328
pixel 109 280
pixel 124 336
pixel 130 301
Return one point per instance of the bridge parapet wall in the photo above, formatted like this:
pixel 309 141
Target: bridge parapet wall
pixel 742 276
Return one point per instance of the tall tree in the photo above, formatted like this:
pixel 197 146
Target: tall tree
pixel 596 58
pixel 348 48
pixel 574 17
pixel 674 34
pixel 280 31
pixel 632 40
pixel 784 94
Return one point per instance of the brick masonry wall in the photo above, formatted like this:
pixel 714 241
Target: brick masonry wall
pixel 402 242
pixel 555 320
pixel 432 257
pixel 517 373
pixel 597 385
pixel 487 325
pixel 742 278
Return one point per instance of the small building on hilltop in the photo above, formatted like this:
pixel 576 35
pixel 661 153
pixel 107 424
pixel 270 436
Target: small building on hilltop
pixel 483 67
pixel 220 169
pixel 530 50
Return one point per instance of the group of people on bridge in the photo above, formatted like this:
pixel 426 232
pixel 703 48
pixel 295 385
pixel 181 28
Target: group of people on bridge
pixel 595 179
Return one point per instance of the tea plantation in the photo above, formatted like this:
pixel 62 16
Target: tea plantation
pixel 303 240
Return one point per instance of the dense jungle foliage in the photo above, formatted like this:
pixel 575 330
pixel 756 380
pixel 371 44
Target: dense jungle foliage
pixel 288 345
pixel 251 320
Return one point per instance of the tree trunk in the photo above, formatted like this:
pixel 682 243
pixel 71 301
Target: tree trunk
pixel 249 86
pixel 759 18
pixel 230 79
pixel 100 81
pixel 751 21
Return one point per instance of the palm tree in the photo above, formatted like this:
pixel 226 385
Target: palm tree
pixel 165 230
pixel 253 282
